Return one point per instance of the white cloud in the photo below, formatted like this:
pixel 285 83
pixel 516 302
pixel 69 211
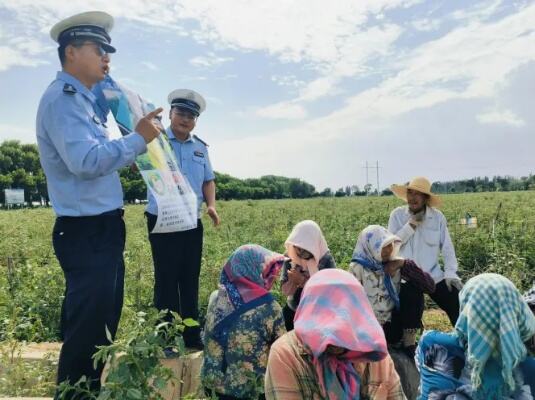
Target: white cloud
pixel 150 66
pixel 501 117
pixel 426 24
pixel 287 80
pixel 283 110
pixel 209 60
pixel 11 57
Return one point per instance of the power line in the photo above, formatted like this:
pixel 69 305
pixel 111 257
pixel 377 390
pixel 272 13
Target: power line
pixel 367 167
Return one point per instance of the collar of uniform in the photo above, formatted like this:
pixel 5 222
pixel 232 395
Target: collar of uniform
pixel 80 88
pixel 171 136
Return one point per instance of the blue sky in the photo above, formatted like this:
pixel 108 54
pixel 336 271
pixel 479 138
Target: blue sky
pixel 308 88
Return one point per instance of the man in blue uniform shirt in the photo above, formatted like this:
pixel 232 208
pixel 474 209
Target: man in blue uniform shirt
pixel 177 255
pixel 81 163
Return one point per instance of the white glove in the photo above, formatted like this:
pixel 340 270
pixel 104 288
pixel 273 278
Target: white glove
pixel 455 282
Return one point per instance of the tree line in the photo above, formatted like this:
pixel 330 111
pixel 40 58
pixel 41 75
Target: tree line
pixel 20 168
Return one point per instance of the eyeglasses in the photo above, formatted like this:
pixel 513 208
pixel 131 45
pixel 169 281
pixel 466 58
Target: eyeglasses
pixel 185 115
pixel 99 50
pixel 302 253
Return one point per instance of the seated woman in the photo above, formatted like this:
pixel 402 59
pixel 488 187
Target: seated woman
pixel 395 287
pixel 242 321
pixel 308 251
pixel 485 357
pixel 337 349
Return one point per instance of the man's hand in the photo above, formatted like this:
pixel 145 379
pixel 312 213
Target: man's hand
pixel 296 278
pixel 212 213
pixel 414 223
pixel 391 267
pixel 417 219
pixel 454 282
pixel 147 127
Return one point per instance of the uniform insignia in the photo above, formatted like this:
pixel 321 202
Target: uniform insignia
pixel 200 140
pixel 198 153
pixel 69 89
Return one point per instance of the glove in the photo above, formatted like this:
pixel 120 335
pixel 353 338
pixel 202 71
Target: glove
pixel 454 282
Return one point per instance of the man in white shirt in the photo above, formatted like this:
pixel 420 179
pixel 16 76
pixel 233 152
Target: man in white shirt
pixel 424 234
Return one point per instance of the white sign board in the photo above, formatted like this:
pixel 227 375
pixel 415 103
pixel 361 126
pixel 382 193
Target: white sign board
pixel 14 196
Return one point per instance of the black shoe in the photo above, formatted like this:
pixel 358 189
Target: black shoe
pixel 194 344
pixel 170 353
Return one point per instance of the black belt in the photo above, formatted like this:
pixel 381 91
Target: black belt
pixel 119 212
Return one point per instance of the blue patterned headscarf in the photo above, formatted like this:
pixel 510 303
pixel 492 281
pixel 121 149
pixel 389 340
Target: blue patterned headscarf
pixel 368 254
pixel 493 325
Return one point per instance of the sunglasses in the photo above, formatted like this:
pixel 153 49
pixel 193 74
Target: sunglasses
pixel 303 254
pixel 185 115
pixel 97 46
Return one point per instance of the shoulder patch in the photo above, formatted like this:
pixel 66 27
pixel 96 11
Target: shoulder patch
pixel 200 140
pixel 69 89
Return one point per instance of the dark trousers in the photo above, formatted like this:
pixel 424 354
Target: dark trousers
pixel 411 309
pixel 447 301
pixel 408 316
pixel 177 266
pixel 90 253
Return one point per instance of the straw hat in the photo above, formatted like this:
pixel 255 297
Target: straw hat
pixel 419 184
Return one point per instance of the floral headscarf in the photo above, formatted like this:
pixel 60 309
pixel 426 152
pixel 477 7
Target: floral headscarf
pixel 245 282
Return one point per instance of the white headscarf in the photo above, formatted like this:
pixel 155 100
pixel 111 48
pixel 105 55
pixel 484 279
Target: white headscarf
pixel 308 236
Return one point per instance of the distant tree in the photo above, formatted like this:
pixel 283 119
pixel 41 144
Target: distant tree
pixel 327 192
pixel 340 193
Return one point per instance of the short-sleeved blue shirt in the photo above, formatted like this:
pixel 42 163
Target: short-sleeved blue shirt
pixel 79 160
pixel 194 163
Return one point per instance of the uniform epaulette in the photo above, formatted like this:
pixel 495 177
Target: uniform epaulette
pixel 69 89
pixel 200 140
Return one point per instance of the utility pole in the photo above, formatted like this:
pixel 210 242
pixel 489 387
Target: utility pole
pixel 367 178
pixel 377 175
pixel 377 169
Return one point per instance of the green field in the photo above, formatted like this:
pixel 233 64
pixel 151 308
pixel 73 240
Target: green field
pixel 31 282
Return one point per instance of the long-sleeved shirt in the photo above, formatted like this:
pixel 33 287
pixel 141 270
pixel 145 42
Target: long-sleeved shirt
pixel 291 375
pixel 79 160
pixel 374 285
pixel 425 243
pixel 233 371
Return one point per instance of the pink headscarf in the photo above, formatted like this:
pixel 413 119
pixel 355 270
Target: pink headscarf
pixel 334 310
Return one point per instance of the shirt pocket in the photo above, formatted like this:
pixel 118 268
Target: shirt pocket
pixel 429 253
pixel 431 237
pixel 98 130
pixel 197 169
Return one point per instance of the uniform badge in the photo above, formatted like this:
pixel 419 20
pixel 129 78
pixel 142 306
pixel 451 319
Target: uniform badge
pixel 198 153
pixel 69 89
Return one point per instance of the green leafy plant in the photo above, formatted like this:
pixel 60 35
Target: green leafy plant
pixel 134 370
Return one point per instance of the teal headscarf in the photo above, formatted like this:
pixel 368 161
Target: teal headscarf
pixel 493 325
